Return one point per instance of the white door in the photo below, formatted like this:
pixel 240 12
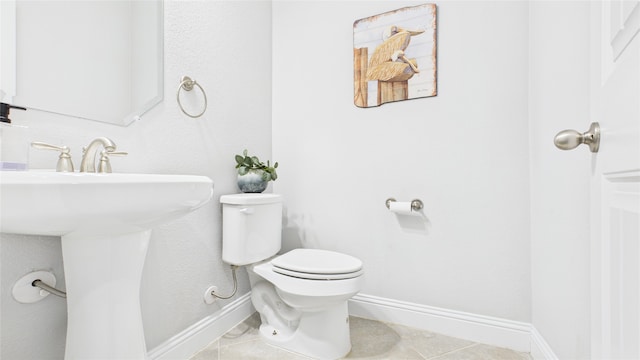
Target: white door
pixel 615 180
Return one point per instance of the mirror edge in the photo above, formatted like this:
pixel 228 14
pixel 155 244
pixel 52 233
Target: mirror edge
pixel 8 80
pixel 8 55
pixel 137 115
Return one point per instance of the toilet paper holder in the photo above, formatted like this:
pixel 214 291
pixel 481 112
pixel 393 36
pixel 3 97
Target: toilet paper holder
pixel 416 204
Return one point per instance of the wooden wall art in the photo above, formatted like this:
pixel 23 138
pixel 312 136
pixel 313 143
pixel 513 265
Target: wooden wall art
pixel 394 56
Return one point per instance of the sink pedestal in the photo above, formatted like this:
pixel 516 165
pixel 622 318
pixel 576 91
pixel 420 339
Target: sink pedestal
pixel 103 274
pixel 103 220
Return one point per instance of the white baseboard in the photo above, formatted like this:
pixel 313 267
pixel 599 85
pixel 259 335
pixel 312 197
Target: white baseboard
pixel 196 337
pixel 540 350
pixel 479 328
pixel 515 335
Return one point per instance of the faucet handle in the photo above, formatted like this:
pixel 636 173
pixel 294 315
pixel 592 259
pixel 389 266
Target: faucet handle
pixel 64 160
pixel 105 165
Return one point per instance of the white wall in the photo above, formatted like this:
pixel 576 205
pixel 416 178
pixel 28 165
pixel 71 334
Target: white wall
pixel 184 256
pixel 559 89
pixel 464 153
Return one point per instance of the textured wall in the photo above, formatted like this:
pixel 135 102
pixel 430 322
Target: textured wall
pixel 226 46
pixel 464 153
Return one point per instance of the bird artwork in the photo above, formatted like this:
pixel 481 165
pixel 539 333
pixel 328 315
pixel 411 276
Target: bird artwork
pixel 388 62
pixel 394 56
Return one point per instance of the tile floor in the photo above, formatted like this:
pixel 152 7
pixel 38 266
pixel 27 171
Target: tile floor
pixel 369 340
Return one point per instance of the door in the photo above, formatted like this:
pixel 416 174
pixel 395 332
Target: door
pixel 615 180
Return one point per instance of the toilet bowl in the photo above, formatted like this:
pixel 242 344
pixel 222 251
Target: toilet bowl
pixel 311 291
pixel 301 295
pixel 305 310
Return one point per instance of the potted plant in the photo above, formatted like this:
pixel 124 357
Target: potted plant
pixel 253 174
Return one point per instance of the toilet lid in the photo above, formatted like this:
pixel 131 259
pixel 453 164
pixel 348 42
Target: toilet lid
pixel 317 264
pixel 311 276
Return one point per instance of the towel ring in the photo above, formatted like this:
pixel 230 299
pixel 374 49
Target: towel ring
pixel 187 84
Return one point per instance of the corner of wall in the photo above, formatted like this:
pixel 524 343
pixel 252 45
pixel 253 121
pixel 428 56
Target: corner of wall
pixel 197 336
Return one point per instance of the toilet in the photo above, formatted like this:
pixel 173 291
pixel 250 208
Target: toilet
pixel 301 295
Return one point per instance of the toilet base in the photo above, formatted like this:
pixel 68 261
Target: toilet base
pixel 320 335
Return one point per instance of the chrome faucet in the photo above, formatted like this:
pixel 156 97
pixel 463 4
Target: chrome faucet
pixel 89 153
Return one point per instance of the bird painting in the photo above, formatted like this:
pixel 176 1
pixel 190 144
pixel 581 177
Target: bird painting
pixel 394 56
pixel 388 62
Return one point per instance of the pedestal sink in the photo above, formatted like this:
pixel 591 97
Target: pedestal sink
pixel 104 221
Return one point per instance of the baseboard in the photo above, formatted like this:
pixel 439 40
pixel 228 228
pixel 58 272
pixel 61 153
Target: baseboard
pixel 515 335
pixel 479 328
pixel 196 337
pixel 540 350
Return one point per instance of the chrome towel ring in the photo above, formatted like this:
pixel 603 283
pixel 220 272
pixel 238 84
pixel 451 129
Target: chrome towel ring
pixel 187 84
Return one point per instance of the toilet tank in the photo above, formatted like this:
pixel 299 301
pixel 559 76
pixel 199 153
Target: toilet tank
pixel 251 227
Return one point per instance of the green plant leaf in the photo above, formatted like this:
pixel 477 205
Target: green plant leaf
pixel 246 163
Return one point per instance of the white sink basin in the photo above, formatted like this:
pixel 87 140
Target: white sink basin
pixel 105 222
pixel 52 203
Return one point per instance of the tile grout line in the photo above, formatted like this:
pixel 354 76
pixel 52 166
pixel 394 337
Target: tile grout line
pixel 450 352
pixel 247 337
pixel 241 343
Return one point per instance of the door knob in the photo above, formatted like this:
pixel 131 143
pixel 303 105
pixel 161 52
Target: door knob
pixel 570 139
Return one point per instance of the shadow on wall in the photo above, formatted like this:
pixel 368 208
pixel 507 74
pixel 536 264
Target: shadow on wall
pixel 292 232
pixel 294 235
pixel 416 224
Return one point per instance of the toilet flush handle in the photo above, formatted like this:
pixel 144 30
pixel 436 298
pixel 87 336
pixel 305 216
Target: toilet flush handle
pixel 247 211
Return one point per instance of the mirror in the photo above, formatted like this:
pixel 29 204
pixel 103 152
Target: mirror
pixel 99 60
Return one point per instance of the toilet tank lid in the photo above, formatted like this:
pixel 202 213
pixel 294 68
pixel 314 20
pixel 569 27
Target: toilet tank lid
pixel 250 199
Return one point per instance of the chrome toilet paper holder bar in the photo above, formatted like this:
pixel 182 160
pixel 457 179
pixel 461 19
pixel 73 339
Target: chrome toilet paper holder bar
pixel 416 204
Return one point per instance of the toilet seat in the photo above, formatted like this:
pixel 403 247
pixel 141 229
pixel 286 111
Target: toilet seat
pixel 312 276
pixel 308 287
pixel 315 264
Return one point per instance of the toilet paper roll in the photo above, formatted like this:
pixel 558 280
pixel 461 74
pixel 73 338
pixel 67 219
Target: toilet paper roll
pixel 403 208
